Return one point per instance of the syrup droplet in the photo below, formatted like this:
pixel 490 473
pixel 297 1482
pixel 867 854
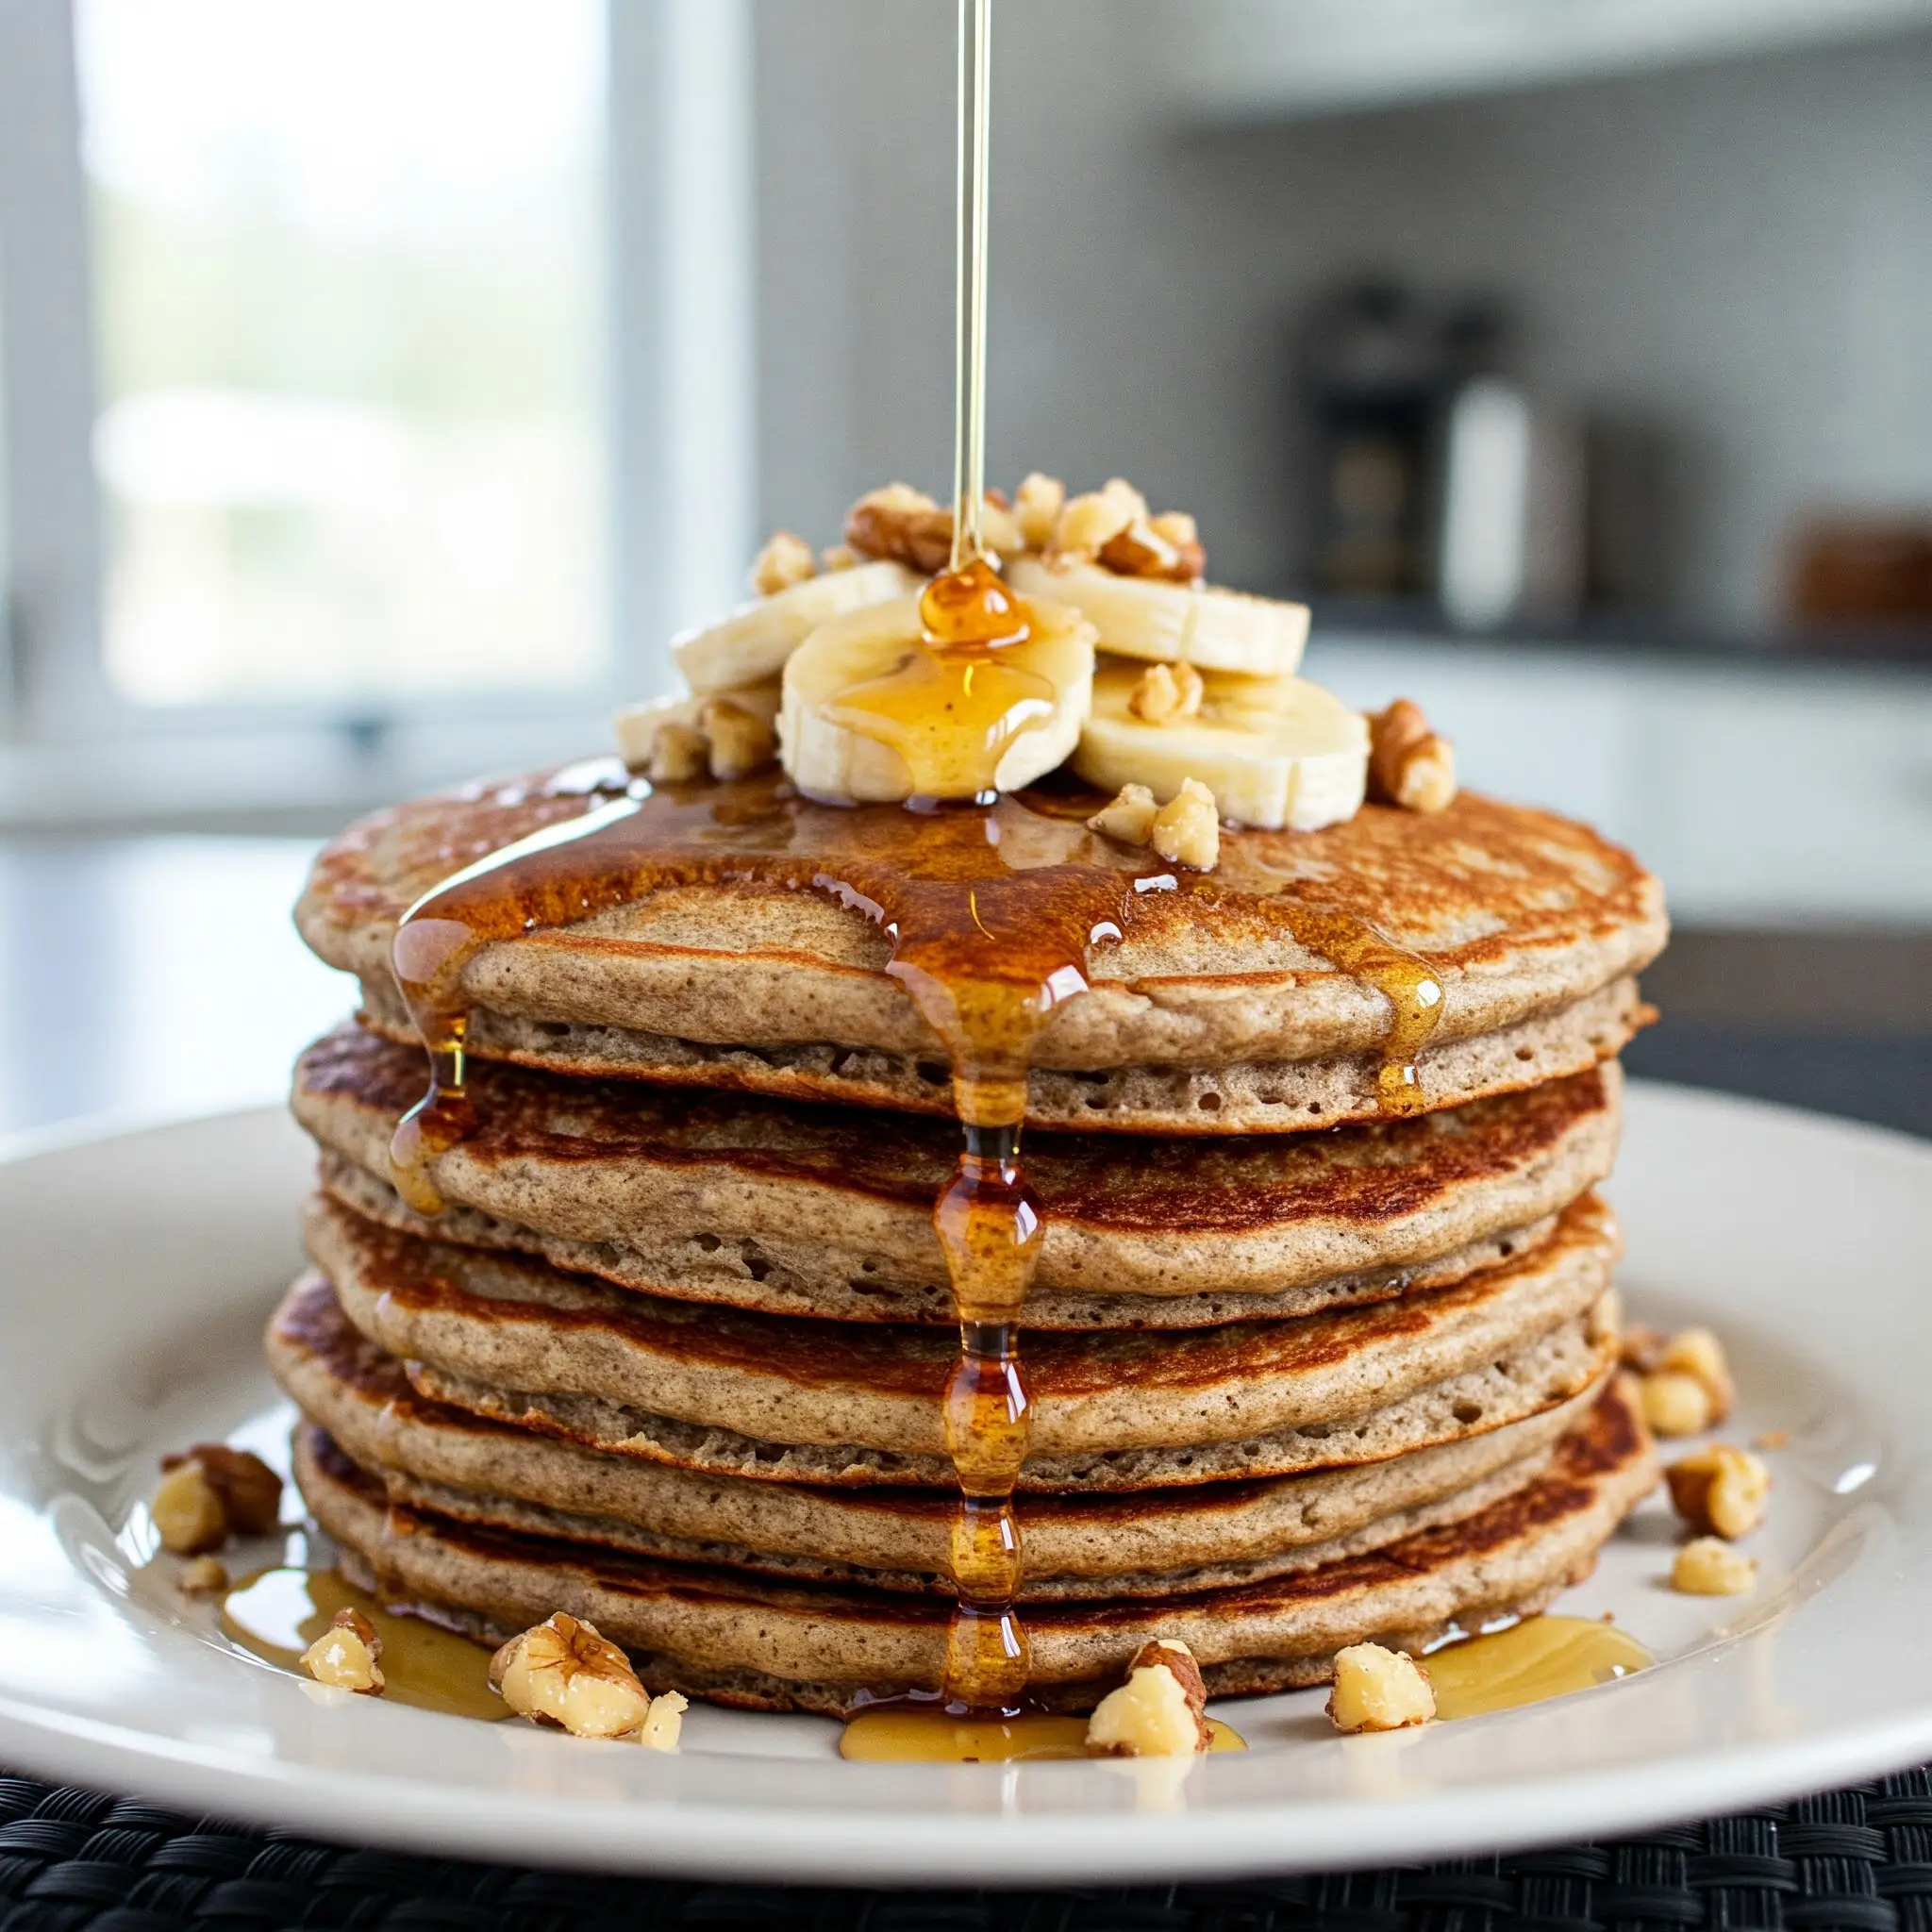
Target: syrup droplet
pixel 958 698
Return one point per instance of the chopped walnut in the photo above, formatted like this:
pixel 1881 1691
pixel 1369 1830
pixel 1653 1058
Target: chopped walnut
pixel 1158 1712
pixel 740 741
pixel 1675 1403
pixel 563 1673
pixel 250 1490
pixel 186 1508
pixel 1643 1348
pixel 347 1654
pixel 1720 1490
pixel 1186 830
pixel 1698 1353
pixel 663 1724
pixel 1409 764
pixel 203 1577
pixel 1089 523
pixel 1140 550
pixel 838 557
pixel 680 755
pixel 1709 1567
pixel 909 526
pixel 1129 817
pixel 1038 505
pixel 1166 694
pixel 785 559
pixel 1378 1690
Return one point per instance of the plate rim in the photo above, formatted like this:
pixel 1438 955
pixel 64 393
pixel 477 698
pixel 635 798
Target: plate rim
pixel 645 1833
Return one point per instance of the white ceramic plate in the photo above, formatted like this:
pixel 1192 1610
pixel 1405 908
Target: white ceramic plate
pixel 135 1273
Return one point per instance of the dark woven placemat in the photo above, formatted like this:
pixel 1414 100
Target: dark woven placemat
pixel 1861 1859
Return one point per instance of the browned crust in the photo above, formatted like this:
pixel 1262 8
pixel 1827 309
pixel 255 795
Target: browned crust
pixel 701 1625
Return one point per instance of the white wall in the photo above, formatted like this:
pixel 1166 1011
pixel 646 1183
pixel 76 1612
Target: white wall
pixel 1742 252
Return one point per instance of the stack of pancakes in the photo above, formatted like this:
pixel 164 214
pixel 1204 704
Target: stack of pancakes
pixel 672 1357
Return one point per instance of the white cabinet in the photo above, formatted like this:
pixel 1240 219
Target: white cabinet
pixel 1257 59
pixel 1764 792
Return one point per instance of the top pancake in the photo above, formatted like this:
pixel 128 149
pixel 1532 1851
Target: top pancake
pixel 1521 915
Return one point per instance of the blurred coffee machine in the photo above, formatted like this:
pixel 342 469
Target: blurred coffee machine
pixel 1433 477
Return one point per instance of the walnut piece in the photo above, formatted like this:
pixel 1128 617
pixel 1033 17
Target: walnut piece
pixel 1698 1353
pixel 347 1654
pixel 1158 1712
pixel 1643 1348
pixel 1675 1403
pixel 1409 764
pixel 1378 1690
pixel 186 1508
pixel 1036 506
pixel 680 753
pixel 838 557
pixel 1720 1490
pixel 663 1724
pixel 1140 550
pixel 1166 694
pixel 1088 523
pixel 785 559
pixel 909 526
pixel 250 1490
pixel 739 742
pixel 203 1577
pixel 1186 830
pixel 1129 817
pixel 1709 1567
pixel 563 1673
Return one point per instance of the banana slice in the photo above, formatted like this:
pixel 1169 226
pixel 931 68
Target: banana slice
pixel 753 643
pixel 1176 623
pixel 865 670
pixel 1275 751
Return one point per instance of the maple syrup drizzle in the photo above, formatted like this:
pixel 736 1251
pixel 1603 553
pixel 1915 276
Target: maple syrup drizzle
pixel 1527 1662
pixel 1405 980
pixel 889 1735
pixel 276 1614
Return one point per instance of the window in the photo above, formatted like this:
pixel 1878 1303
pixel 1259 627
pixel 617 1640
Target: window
pixel 348 276
pixel 376 388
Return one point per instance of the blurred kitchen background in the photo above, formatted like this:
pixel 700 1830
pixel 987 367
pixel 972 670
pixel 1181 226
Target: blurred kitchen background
pixel 383 381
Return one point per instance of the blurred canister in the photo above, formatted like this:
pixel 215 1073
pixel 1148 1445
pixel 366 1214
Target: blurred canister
pixel 1512 546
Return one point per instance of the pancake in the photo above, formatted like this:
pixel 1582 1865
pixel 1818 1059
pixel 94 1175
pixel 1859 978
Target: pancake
pixel 1523 916
pixel 796 1209
pixel 521 1324
pixel 474 1470
pixel 734 1639
pixel 1254 1097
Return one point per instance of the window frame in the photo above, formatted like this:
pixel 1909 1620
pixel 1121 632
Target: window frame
pixel 678 398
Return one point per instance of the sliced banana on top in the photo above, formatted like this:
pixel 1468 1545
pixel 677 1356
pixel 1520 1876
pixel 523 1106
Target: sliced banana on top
pixel 1276 752
pixel 836 736
pixel 1177 623
pixel 753 643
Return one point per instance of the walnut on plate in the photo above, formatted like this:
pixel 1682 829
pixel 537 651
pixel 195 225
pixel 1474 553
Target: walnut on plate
pixel 1379 1689
pixel 1158 1712
pixel 1720 1490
